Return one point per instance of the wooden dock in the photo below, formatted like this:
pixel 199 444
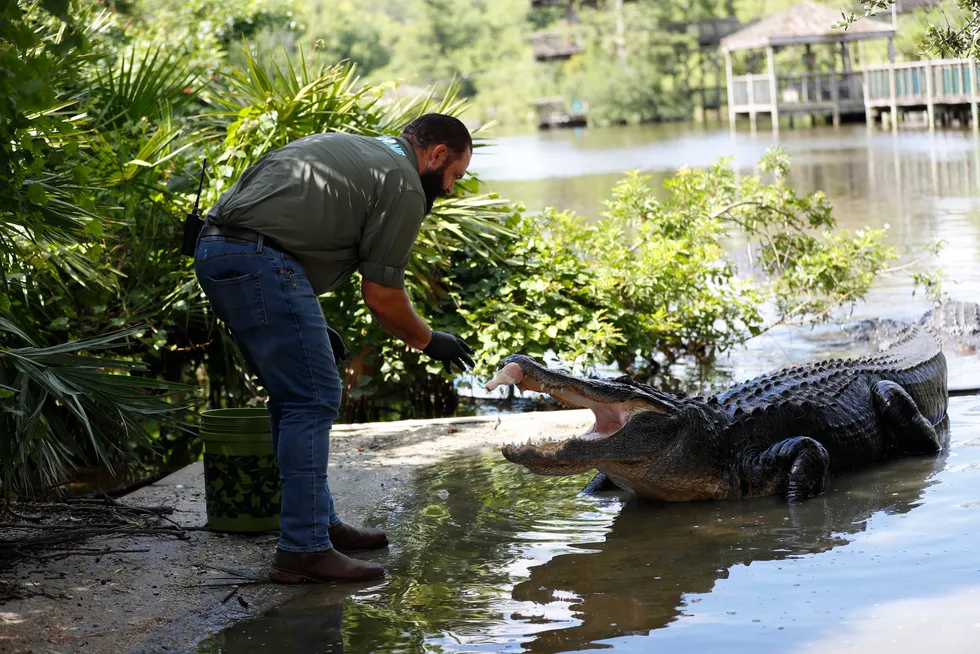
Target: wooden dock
pixel 949 85
pixel 944 89
pixel 831 94
pixel 559 112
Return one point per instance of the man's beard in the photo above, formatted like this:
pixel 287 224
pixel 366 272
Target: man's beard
pixel 432 186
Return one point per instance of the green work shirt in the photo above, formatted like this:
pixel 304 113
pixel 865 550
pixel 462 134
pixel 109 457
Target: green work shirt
pixel 337 202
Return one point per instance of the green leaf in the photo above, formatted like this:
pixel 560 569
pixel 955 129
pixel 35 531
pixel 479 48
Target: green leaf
pixel 36 194
pixel 94 227
pixel 56 7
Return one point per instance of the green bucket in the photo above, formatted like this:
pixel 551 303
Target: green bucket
pixel 241 477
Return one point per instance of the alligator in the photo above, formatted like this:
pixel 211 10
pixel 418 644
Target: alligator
pixel 956 324
pixel 782 434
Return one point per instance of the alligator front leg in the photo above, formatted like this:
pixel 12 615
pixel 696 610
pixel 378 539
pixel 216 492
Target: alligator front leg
pixel 905 428
pixel 798 466
pixel 601 482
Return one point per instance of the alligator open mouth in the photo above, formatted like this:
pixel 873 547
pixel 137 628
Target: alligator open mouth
pixel 611 414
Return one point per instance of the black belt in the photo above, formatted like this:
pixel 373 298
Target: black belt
pixel 243 234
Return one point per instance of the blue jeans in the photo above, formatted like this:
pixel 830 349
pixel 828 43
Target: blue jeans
pixel 268 305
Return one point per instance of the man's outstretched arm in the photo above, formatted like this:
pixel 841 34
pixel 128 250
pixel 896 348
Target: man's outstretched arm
pixel 396 314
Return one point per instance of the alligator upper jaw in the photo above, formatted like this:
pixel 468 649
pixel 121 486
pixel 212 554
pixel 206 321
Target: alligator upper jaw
pixel 557 457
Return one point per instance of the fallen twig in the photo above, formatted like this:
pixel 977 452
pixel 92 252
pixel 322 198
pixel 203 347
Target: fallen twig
pixel 69 534
pixel 16 525
pixel 959 392
pixel 65 639
pixel 12 590
pixel 225 584
pixel 75 520
pixel 230 594
pixel 20 516
pixel 77 552
pixel 108 501
pixel 236 573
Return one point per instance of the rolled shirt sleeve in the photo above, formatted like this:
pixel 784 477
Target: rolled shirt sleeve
pixel 390 233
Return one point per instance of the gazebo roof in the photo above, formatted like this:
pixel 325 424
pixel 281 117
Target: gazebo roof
pixel 807 22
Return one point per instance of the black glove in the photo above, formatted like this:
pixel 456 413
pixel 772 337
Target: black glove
pixel 337 344
pixel 449 349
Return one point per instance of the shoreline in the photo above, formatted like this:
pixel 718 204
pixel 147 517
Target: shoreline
pixel 170 598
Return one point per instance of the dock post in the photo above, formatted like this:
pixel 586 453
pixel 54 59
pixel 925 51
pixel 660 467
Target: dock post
pixel 930 97
pixel 751 95
pixel 835 97
pixel 869 115
pixel 893 100
pixel 730 90
pixel 773 89
pixel 973 96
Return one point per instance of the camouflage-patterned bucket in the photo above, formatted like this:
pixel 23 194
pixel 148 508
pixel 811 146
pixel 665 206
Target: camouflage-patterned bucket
pixel 241 477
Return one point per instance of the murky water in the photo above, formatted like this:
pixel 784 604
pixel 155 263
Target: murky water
pixel 886 560
pixel 924 187
pixel 487 557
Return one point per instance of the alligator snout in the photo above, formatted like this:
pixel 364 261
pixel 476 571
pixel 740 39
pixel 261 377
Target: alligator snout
pixel 510 374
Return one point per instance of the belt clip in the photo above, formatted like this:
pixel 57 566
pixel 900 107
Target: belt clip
pixel 260 242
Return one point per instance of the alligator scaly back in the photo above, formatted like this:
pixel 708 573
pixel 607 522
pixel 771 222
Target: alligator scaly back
pixel 915 357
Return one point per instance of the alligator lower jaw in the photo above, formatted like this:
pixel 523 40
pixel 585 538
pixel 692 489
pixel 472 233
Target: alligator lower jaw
pixel 541 463
pixel 546 448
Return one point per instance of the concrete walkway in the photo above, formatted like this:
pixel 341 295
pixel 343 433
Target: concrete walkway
pixel 160 601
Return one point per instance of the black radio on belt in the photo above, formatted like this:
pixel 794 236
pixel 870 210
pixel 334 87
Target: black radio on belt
pixel 193 223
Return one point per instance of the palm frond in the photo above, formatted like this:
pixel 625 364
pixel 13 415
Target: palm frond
pixel 141 87
pixel 64 408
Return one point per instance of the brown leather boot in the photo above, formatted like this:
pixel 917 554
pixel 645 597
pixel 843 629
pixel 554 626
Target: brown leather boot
pixel 347 538
pixel 321 567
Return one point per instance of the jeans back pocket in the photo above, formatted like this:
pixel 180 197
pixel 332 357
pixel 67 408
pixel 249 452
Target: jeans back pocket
pixel 238 301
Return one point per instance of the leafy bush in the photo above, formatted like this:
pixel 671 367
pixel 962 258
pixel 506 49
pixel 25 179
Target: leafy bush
pixel 653 280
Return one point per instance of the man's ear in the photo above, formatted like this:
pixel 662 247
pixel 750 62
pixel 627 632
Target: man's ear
pixel 437 156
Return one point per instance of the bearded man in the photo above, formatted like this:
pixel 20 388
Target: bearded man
pixel 298 223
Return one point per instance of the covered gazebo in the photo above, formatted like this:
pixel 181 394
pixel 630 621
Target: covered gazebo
pixel 812 92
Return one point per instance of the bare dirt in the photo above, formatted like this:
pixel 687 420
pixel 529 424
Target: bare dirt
pixel 179 592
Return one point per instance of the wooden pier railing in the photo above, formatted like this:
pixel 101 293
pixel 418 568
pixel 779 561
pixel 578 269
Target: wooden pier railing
pixel 892 87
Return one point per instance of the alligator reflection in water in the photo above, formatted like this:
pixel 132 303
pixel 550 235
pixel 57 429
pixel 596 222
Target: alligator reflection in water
pixel 657 555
